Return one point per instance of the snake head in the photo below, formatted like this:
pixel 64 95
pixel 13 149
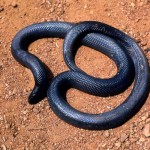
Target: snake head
pixel 38 93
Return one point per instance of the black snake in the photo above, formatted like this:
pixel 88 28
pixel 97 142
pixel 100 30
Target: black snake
pixel 121 48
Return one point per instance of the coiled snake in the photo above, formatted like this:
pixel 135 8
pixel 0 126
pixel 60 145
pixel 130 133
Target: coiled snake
pixel 122 49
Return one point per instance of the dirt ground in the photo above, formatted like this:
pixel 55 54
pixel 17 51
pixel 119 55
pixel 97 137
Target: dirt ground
pixel 36 127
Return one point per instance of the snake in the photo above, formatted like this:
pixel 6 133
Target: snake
pixel 129 58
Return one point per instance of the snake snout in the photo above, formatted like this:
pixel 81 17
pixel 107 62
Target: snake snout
pixel 38 93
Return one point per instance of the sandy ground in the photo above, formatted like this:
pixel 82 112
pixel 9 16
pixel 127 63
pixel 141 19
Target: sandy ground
pixel 28 127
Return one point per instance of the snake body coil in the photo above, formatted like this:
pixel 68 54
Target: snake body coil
pixel 122 49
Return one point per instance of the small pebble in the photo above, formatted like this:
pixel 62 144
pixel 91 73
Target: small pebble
pixel 142 139
pixel 43 1
pixel 52 9
pixel 122 3
pixel 143 43
pixel 132 4
pixel 1 9
pixel 146 130
pixel 106 133
pixel 1 118
pixel 123 137
pixel 3 147
pixel 148 120
pixel 118 144
pixel 25 112
pixel 145 116
pixel 36 110
pixel 14 4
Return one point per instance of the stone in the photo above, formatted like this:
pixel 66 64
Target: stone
pixel 14 4
pixel 146 130
pixel 133 4
pixel 123 137
pixel 106 133
pixel 3 147
pixel 1 9
pixel 36 110
pixel 118 144
pixel 141 139
pixel 122 3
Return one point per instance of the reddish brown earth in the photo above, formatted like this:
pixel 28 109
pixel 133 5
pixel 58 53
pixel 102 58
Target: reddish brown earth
pixel 27 127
